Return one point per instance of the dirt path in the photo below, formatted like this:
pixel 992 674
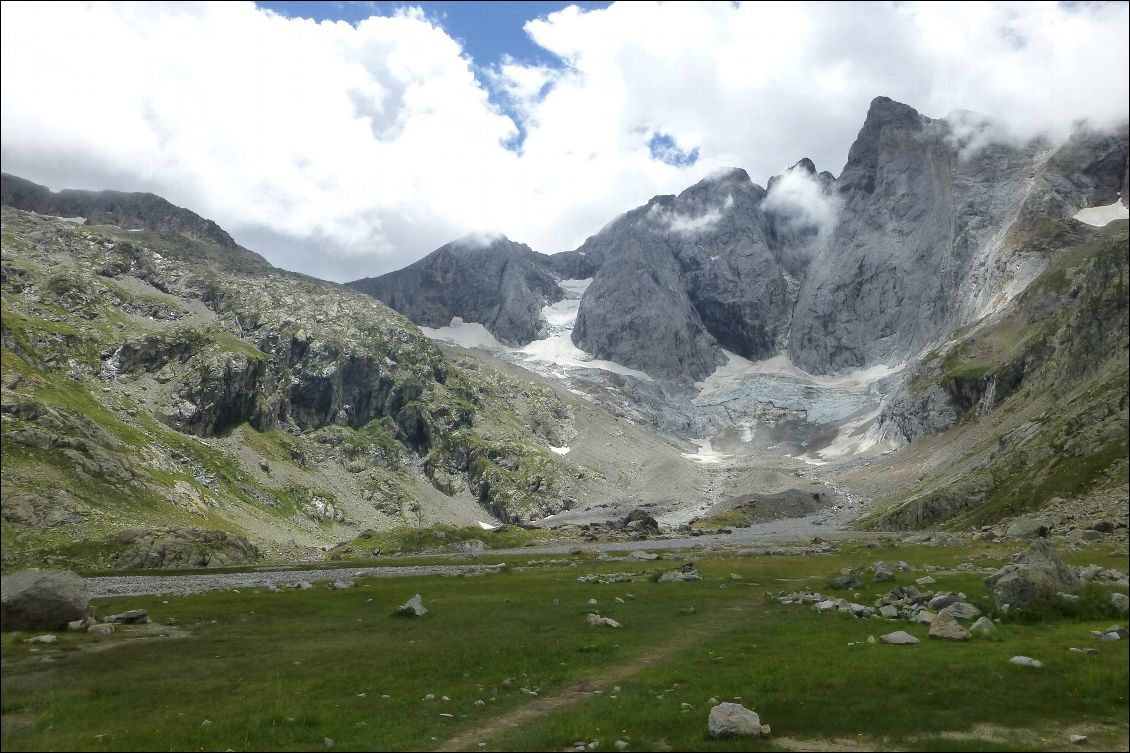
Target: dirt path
pixel 603 680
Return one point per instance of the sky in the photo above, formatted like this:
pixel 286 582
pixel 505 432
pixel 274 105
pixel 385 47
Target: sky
pixel 346 140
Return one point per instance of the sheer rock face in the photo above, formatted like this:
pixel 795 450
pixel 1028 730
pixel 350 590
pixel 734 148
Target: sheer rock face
pixel 500 284
pixel 927 229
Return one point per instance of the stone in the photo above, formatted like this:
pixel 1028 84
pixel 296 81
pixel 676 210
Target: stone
pixel 924 617
pixel 946 627
pixel 983 626
pixel 1026 661
pixel 963 610
pixel 639 554
pixel 888 612
pixel 48 638
pixel 597 620
pixel 132 617
pixel 899 638
pixel 847 580
pixel 883 573
pixel 592 602
pixel 1111 636
pixel 342 584
pixel 105 628
pixel 1078 739
pixel 1028 528
pixel 621 745
pixel 46 599
pixel 926 580
pixel 1038 571
pixel 1120 603
pixel 173 546
pixel 414 607
pixel 733 720
pixel 944 599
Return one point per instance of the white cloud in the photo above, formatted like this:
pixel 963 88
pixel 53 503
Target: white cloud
pixel 690 224
pixel 346 151
pixel 800 199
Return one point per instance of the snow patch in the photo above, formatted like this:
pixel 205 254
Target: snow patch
pixel 465 335
pixel 560 450
pixel 706 453
pixel 1102 216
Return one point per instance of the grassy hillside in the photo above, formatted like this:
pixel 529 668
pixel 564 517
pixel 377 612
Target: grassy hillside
pixel 151 380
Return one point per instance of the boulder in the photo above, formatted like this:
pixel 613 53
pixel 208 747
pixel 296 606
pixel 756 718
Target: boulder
pixel 899 638
pixel 47 599
pixel 733 720
pixel 173 546
pixel 883 573
pixel 946 627
pixel 414 607
pixel 1037 572
pixel 944 599
pixel 639 554
pixel 1120 603
pixel 342 583
pixel 1028 528
pixel 983 626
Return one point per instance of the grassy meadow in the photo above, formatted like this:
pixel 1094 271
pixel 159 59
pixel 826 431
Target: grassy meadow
pixel 511 664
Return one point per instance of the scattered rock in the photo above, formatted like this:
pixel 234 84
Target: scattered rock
pixel 47 599
pixel 899 638
pixel 883 573
pixel 132 617
pixel 106 628
pixel 963 610
pixel 733 720
pixel 1078 739
pixel 596 619
pixel 1120 603
pixel 983 626
pixel 342 584
pixel 946 627
pixel 639 554
pixel 1026 661
pixel 926 580
pixel 414 607
pixel 1028 528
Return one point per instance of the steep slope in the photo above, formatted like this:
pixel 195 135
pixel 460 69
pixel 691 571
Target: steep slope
pixel 923 241
pixel 1032 401
pixel 152 379
pixel 495 282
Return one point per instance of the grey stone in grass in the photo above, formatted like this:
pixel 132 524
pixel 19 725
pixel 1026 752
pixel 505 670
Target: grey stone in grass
pixel 342 584
pixel 963 610
pixel 596 619
pixel 944 599
pixel 132 617
pixel 983 626
pixel 847 580
pixel 899 638
pixel 414 607
pixel 1078 739
pixel 946 627
pixel 926 580
pixel 1120 602
pixel 733 720
pixel 48 638
pixel 639 554
pixel 883 573
pixel 1026 661
pixel 106 628
pixel 45 599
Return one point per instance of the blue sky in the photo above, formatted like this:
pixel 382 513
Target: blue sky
pixel 488 30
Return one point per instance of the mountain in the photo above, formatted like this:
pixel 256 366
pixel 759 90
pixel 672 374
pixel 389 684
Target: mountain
pixel 493 281
pixel 169 398
pixel 922 232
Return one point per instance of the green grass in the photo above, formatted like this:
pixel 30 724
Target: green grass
pixel 285 670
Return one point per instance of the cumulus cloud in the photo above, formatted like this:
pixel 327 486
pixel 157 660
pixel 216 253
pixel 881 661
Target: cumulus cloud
pixel 349 150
